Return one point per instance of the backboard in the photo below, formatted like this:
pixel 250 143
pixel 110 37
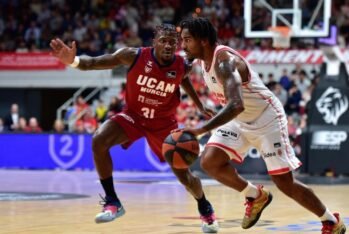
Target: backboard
pixel 304 18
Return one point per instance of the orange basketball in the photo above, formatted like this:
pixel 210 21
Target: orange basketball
pixel 180 149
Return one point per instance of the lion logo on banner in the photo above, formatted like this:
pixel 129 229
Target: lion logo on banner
pixel 332 105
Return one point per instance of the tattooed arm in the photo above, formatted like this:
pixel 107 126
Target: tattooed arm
pixel 67 55
pixel 228 69
pixel 228 74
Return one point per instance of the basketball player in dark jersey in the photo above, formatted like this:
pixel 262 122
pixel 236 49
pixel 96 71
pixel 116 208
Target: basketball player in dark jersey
pixel 152 96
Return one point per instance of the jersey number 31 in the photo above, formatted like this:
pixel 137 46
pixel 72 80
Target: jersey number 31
pixel 148 113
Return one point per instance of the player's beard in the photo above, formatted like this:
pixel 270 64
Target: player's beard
pixel 167 57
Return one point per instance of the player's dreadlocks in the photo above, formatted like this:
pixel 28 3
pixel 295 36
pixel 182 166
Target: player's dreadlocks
pixel 200 28
pixel 169 29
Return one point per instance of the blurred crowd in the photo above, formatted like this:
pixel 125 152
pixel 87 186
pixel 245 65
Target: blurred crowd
pixel 293 88
pixel 104 26
pixel 15 121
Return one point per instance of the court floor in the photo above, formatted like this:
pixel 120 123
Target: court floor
pixel 30 202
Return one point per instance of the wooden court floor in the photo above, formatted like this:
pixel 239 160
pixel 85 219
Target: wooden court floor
pixel 154 203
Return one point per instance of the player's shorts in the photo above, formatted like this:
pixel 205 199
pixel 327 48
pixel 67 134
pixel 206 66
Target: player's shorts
pixel 268 134
pixel 154 130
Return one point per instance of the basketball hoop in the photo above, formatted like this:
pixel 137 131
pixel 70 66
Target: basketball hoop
pixel 281 36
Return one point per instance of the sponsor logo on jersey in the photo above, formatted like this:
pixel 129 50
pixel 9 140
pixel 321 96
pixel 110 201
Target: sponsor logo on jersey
pixel 227 133
pixel 268 155
pixel 171 74
pixel 153 86
pixel 149 101
pixel 213 80
pixel 279 152
pixel 148 67
pixel 332 105
pixel 277 145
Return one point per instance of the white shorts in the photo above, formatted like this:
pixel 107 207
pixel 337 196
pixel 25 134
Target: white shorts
pixel 268 134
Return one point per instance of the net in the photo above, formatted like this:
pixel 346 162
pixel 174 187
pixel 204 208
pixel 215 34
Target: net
pixel 281 37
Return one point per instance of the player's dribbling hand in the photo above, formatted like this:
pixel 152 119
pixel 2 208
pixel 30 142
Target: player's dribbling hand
pixel 194 131
pixel 63 52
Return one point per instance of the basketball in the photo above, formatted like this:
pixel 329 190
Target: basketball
pixel 180 149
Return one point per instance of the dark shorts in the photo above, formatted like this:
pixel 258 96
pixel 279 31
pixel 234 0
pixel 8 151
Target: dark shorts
pixel 154 130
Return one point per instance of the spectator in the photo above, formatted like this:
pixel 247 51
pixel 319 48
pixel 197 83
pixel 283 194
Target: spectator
pixel 294 98
pixel 298 69
pixel 89 122
pixel 50 18
pixel 285 81
pixel 32 34
pixel 12 119
pixel 2 127
pixel 33 126
pixel 133 40
pixel 115 106
pixel 280 93
pixel 79 127
pixel 80 106
pixel 302 82
pixel 22 125
pixel 58 126
pixel 271 81
pixel 291 126
pixel 101 111
pixel 119 43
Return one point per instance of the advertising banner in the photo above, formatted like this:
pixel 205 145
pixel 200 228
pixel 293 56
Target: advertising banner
pixel 71 152
pixel 29 61
pixel 328 125
pixel 74 152
pixel 45 61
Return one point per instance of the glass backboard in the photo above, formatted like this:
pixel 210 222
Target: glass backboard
pixel 305 18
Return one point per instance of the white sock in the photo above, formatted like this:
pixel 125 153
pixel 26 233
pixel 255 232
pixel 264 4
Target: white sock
pixel 328 216
pixel 250 190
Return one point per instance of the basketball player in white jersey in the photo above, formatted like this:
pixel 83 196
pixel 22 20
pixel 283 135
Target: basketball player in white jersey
pixel 251 116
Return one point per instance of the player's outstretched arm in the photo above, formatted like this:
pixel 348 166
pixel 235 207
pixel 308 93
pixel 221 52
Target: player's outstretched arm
pixel 62 51
pixel 67 55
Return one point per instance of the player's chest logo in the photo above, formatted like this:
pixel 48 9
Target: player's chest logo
pixel 148 67
pixel 171 74
pixel 213 80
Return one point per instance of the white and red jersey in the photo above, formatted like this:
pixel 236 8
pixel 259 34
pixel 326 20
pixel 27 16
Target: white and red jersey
pixel 256 95
pixel 262 124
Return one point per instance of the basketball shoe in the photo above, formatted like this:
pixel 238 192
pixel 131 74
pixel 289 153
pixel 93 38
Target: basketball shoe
pixel 329 227
pixel 255 206
pixel 209 223
pixel 111 210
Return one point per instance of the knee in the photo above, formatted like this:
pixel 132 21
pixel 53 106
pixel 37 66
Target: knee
pixel 98 143
pixel 187 179
pixel 184 180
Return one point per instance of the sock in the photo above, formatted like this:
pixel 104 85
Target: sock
pixel 328 216
pixel 109 190
pixel 204 206
pixel 250 190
